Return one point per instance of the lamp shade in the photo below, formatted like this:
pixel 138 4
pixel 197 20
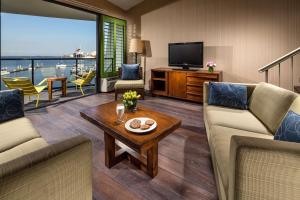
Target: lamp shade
pixel 147 48
pixel 136 46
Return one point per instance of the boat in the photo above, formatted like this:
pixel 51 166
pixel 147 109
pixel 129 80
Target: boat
pixel 80 69
pixel 19 68
pixel 61 66
pixel 4 72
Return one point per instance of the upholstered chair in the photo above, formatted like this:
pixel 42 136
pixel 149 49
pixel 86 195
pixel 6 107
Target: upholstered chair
pixel 122 86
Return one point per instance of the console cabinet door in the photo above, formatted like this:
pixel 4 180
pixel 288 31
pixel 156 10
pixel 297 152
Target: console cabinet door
pixel 177 84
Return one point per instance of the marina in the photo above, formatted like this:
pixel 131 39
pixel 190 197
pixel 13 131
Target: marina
pixel 38 68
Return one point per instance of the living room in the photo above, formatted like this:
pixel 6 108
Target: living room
pixel 184 99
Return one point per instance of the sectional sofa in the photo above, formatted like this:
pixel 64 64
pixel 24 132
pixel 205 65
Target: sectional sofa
pixel 248 163
pixel 30 168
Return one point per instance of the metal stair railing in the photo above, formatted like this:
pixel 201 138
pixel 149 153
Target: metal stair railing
pixel 265 69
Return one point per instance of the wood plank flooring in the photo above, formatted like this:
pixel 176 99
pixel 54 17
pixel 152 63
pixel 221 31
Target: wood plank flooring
pixel 185 170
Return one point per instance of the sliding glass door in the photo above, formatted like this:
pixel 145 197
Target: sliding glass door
pixel 113 45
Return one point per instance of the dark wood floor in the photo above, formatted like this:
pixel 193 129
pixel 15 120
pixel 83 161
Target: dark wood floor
pixel 185 170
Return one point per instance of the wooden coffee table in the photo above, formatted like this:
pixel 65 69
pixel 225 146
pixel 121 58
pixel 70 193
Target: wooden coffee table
pixel 120 144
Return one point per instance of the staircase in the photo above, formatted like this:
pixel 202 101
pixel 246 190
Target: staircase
pixel 277 63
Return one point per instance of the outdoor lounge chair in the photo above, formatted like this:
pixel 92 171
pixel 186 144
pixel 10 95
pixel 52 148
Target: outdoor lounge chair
pixel 26 85
pixel 84 80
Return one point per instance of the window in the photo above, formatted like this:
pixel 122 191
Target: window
pixel 112 45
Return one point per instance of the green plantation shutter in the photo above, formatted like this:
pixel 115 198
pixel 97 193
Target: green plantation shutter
pixel 108 34
pixel 119 45
pixel 112 45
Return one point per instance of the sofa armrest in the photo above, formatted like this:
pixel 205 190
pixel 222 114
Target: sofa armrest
pixel 263 169
pixel 58 171
pixel 250 88
pixel 11 104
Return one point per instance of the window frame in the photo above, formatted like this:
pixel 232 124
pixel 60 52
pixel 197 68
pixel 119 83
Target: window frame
pixel 115 21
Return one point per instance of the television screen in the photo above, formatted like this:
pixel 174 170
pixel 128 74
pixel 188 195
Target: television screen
pixel 186 54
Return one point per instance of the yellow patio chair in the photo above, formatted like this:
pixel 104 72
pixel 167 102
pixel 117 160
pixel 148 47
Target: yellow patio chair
pixel 84 80
pixel 26 85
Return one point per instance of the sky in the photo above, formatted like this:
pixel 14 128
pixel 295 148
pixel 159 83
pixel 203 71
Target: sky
pixel 23 35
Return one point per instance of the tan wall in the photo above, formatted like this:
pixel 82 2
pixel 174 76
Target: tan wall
pixel 239 35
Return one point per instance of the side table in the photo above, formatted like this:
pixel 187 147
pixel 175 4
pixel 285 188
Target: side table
pixel 63 85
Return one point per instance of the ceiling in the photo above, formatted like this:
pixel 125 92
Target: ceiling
pixel 43 8
pixel 125 4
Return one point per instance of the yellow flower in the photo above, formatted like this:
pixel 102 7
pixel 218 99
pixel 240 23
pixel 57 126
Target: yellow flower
pixel 131 95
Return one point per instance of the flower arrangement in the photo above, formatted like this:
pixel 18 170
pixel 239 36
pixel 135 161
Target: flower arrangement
pixel 130 100
pixel 211 65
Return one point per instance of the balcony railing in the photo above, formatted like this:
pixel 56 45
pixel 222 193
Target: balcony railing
pixel 38 68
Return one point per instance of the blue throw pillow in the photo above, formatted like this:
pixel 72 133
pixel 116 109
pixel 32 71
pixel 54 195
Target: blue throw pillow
pixel 228 95
pixel 289 129
pixel 11 105
pixel 130 71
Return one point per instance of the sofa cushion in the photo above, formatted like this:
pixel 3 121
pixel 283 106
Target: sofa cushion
pixel 250 89
pixel 289 129
pixel 11 105
pixel 270 103
pixel 234 118
pixel 15 132
pixel 220 141
pixel 228 95
pixel 130 71
pixel 129 84
pixel 22 149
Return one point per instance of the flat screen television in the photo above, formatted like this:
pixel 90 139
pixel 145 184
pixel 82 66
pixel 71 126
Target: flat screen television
pixel 186 55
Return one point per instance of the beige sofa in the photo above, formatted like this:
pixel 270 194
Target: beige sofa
pixel 247 162
pixel 30 168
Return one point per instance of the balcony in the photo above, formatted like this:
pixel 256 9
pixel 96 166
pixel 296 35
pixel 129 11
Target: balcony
pixel 39 68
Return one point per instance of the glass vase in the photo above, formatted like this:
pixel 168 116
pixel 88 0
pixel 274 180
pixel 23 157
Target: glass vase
pixel 131 105
pixel 210 69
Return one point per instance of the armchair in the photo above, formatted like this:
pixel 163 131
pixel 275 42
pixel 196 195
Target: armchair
pixel 122 86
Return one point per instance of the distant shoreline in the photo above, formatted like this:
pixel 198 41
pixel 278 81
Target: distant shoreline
pixel 3 57
pixel 43 58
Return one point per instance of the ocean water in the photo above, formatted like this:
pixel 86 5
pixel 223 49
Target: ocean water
pixel 45 68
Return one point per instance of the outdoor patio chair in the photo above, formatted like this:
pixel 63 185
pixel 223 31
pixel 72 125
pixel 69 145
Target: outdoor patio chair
pixel 26 85
pixel 84 80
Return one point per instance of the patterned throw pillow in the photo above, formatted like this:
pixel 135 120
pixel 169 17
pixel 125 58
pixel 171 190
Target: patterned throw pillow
pixel 11 105
pixel 228 95
pixel 289 129
pixel 130 71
